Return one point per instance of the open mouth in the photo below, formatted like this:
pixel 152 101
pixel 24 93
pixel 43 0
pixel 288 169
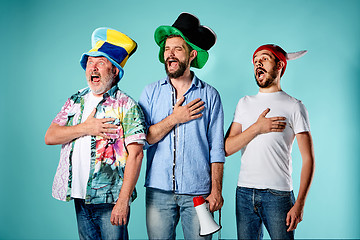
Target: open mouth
pixel 95 78
pixel 172 62
pixel 260 72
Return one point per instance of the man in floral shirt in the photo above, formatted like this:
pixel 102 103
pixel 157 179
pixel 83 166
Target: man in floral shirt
pixel 102 133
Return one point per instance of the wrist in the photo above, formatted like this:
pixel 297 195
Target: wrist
pixel 255 128
pixel 172 120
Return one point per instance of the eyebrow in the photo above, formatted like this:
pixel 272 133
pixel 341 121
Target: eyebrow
pixel 263 54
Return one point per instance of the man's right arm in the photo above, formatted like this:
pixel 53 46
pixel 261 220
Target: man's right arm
pixel 236 139
pixel 181 114
pixel 57 134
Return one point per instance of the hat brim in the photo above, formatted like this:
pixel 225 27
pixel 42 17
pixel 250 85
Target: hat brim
pixel 160 36
pixel 84 58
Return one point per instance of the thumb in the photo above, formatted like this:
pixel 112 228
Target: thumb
pixel 182 99
pixel 92 114
pixel 288 219
pixel 264 113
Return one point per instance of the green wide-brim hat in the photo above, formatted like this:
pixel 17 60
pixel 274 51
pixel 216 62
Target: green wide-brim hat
pixel 200 38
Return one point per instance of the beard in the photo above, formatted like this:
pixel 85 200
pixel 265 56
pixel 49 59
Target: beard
pixel 106 82
pixel 181 69
pixel 269 80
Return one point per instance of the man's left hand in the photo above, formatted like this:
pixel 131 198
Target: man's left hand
pixel 294 217
pixel 215 201
pixel 119 214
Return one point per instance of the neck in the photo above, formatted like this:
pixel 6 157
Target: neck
pixel 182 83
pixel 270 89
pixel 275 87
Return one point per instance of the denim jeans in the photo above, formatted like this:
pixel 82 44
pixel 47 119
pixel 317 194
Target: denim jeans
pixel 258 207
pixel 163 211
pixel 94 222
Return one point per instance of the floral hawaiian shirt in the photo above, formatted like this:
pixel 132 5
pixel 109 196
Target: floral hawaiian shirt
pixel 108 156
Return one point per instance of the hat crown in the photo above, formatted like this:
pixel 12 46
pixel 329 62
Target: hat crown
pixel 112 44
pixel 199 35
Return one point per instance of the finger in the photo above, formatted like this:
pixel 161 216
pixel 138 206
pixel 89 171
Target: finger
pixel 278 125
pixel 193 102
pixel 197 110
pixel 111 126
pixel 288 219
pixel 181 100
pixel 93 112
pixel 113 219
pixel 110 130
pixel 196 116
pixel 292 224
pixel 124 221
pixel 277 118
pixel 197 105
pixel 105 120
pixel 277 129
pixel 104 136
pixel 263 114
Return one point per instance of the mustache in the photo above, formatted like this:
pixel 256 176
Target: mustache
pixel 93 73
pixel 260 69
pixel 172 59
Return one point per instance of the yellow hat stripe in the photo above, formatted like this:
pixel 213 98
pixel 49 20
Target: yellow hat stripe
pixel 120 39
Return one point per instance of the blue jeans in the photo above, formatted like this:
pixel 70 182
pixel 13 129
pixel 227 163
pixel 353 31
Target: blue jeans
pixel 255 207
pixel 94 222
pixel 163 211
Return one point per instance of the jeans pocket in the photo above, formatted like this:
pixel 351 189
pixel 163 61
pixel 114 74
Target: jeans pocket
pixel 279 193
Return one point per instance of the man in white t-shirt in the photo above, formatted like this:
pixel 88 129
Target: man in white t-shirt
pixel 264 128
pixel 102 132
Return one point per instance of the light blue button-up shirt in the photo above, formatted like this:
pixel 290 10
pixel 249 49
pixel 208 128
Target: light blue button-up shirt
pixel 195 144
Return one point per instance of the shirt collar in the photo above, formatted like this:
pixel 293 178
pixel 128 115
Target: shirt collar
pixel 112 92
pixel 195 81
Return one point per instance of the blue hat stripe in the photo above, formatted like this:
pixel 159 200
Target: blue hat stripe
pixel 115 52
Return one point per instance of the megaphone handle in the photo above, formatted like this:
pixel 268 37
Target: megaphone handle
pixel 219 233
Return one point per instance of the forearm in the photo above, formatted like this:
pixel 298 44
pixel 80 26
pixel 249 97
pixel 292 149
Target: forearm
pixel 236 142
pixel 307 173
pixel 308 165
pixel 132 171
pixel 217 170
pixel 57 134
pixel 159 130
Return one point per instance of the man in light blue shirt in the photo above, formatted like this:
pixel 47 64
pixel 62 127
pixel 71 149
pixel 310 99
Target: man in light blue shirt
pixel 184 116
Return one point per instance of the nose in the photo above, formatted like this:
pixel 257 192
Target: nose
pixel 258 64
pixel 94 67
pixel 171 52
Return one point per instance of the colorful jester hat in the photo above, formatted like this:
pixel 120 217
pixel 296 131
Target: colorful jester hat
pixel 112 44
pixel 280 54
pixel 200 38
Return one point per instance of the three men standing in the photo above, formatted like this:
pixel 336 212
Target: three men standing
pixel 102 132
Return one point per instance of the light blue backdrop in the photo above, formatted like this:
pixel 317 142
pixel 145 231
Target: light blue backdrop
pixel 41 44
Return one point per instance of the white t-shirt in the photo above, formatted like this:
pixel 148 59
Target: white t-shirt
pixel 266 161
pixel 82 153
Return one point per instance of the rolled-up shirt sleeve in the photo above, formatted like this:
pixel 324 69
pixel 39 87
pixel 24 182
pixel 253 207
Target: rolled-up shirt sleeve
pixel 216 131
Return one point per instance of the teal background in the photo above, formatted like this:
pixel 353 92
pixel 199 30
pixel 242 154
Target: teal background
pixel 41 44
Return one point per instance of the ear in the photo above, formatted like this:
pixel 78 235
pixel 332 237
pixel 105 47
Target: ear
pixel 280 65
pixel 193 55
pixel 115 70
